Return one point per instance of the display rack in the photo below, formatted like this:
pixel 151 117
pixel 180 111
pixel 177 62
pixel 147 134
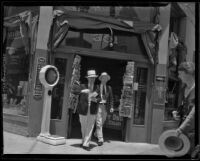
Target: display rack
pixel 73 99
pixel 126 101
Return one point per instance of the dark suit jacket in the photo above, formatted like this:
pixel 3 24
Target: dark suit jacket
pixel 82 107
pixel 109 98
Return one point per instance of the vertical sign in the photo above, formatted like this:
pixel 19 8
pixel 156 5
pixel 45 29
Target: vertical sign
pixel 41 61
pixel 126 101
pixel 160 91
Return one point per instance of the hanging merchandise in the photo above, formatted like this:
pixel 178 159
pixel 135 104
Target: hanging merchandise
pixel 126 101
pixel 182 52
pixel 73 99
pixel 173 40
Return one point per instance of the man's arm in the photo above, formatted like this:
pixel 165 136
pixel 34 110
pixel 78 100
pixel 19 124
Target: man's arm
pixel 76 89
pixel 188 123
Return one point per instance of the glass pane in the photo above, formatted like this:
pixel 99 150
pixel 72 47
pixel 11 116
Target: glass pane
pixel 140 97
pixel 173 95
pixel 15 74
pixel 58 90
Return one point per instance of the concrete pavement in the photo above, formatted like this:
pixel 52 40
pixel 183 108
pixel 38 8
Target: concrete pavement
pixel 17 144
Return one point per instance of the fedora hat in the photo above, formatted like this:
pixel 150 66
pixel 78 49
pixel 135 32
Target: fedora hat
pixel 104 74
pixel 91 73
pixel 172 145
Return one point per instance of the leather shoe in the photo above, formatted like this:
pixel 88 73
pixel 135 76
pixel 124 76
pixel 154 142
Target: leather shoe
pixel 86 148
pixel 100 143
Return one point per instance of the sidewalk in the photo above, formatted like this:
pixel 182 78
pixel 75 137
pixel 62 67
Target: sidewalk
pixel 17 144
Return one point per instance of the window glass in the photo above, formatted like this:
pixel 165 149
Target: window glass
pixel 58 89
pixel 15 75
pixel 140 96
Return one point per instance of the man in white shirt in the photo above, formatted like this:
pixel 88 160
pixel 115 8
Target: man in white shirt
pixel 105 106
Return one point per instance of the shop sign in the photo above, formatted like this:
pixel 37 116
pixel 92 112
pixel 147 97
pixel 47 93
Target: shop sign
pixel 38 89
pixel 14 34
pixel 114 121
pixel 126 101
pixel 160 91
pixel 126 111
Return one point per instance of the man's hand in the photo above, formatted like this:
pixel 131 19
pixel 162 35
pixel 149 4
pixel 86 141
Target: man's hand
pixel 178 132
pixel 93 99
pixel 111 110
pixel 175 115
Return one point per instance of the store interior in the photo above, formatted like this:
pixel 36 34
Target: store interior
pixel 114 125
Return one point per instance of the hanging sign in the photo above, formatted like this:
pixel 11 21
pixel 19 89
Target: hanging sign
pixel 126 101
pixel 114 121
pixel 38 91
pixel 73 99
pixel 160 91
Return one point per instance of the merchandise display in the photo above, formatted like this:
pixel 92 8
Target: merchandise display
pixel 126 101
pixel 73 99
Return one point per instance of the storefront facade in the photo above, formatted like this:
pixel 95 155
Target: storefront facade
pixel 144 122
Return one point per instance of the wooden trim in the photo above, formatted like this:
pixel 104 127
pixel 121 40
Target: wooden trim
pixel 64 121
pixel 101 53
pixel 158 106
pixel 18 118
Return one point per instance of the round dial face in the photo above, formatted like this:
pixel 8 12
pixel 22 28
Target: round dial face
pixel 51 76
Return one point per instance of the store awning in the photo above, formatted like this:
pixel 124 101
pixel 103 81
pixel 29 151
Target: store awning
pixel 65 20
pixel 90 22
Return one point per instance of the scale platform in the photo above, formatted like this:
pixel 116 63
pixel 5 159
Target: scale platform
pixel 52 139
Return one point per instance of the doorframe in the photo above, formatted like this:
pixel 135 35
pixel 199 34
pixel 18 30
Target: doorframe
pixel 65 115
pixel 137 58
pixel 148 106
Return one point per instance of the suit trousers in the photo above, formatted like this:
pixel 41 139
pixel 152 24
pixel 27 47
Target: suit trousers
pixel 101 118
pixel 87 125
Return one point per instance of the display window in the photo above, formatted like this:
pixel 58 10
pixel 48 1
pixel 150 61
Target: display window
pixel 16 73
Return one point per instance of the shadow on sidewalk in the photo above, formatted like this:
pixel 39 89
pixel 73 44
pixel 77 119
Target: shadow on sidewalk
pixel 79 146
pixel 32 147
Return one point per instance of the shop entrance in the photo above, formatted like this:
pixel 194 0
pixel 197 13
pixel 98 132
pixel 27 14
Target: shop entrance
pixel 114 125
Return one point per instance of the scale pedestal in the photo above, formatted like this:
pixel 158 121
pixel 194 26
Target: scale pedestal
pixel 51 139
pixel 49 77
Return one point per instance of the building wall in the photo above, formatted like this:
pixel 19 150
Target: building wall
pixel 189 9
pixel 190 39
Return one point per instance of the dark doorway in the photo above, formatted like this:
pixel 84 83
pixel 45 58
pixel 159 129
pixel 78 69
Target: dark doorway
pixel 114 127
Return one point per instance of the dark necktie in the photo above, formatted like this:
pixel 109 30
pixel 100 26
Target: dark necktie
pixel 104 92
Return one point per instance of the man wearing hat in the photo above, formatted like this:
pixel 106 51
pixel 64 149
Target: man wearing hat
pixel 105 106
pixel 180 141
pixel 89 98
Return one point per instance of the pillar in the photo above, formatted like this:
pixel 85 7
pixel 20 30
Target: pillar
pixel 40 59
pixel 158 106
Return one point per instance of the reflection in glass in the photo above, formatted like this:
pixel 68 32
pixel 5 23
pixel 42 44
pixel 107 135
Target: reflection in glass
pixel 58 90
pixel 15 74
